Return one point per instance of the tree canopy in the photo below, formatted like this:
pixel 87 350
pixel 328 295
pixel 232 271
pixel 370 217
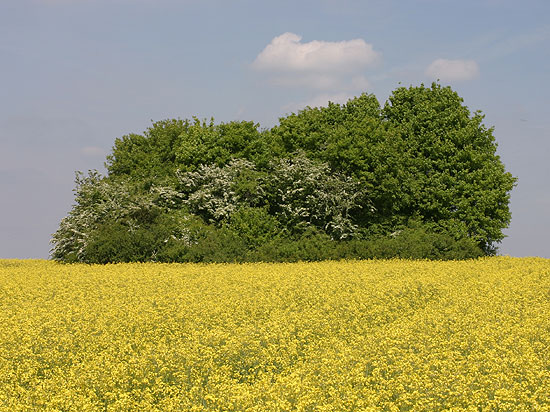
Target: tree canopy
pixel 417 177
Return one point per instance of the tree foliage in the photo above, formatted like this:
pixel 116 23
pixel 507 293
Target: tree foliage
pixel 417 177
pixel 100 201
pixel 451 173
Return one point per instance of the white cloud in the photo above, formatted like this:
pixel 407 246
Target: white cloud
pixel 320 100
pixel 449 70
pixel 287 53
pixel 317 64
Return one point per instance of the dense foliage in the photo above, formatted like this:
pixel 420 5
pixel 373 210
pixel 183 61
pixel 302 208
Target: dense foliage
pixel 416 178
pixel 343 336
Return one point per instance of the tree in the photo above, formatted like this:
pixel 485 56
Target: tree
pixel 423 156
pixel 449 171
pixel 304 193
pixel 215 193
pixel 175 144
pixel 98 203
pixel 297 192
pixel 151 156
pixel 353 140
pixel 418 177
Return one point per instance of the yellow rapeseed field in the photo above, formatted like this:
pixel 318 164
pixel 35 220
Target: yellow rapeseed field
pixel 333 336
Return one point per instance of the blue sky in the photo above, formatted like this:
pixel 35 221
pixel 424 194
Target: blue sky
pixel 76 74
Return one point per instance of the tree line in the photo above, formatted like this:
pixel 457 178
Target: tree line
pixel 417 177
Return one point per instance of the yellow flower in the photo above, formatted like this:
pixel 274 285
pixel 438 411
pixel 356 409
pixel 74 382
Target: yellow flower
pixel 328 336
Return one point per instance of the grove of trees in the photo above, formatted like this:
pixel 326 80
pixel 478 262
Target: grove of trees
pixel 418 177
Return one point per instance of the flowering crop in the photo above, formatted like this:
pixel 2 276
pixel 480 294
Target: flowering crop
pixel 333 336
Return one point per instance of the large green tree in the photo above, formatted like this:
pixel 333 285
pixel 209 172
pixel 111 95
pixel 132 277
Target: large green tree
pixel 174 144
pixel 353 180
pixel 423 156
pixel 449 172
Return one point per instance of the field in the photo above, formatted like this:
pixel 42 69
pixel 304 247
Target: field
pixel 332 336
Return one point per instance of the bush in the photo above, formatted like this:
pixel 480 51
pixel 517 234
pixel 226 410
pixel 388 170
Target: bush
pixel 254 226
pixel 417 243
pixel 253 235
pixel 114 242
pixel 312 245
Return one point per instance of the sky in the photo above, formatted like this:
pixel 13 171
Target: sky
pixel 77 74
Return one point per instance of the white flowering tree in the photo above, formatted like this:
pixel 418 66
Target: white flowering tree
pixel 298 192
pixel 305 193
pixel 97 200
pixel 215 192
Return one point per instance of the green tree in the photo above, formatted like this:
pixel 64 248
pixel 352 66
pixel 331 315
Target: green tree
pixel 418 177
pixel 175 144
pixel 449 171
pixel 422 156
pixel 150 157
pixel 353 140
pixel 210 144
pixel 344 136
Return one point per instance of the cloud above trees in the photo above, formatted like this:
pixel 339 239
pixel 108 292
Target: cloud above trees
pixel 287 53
pixel 317 64
pixel 453 70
